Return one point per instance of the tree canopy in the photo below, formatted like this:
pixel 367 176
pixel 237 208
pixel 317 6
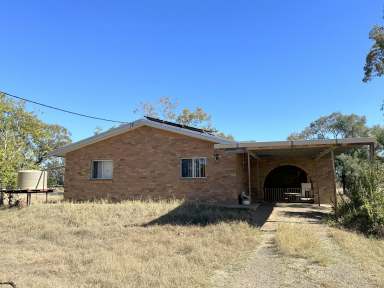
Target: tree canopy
pixel 167 109
pixel 333 126
pixel 25 140
pixel 337 126
pixel 374 63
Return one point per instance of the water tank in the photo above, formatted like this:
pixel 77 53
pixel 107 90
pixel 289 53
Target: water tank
pixel 32 179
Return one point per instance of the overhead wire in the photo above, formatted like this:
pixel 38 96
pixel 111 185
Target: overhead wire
pixel 61 109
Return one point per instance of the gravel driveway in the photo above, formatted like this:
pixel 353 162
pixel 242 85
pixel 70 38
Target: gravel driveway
pixel 266 267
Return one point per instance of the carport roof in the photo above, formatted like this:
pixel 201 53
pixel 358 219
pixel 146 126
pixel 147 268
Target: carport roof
pixel 310 148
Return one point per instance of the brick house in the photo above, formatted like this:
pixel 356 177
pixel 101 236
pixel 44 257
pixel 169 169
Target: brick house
pixel 151 158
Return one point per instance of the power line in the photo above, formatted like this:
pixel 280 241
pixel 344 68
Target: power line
pixel 62 110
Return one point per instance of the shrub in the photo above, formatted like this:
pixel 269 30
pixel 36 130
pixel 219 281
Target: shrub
pixel 364 210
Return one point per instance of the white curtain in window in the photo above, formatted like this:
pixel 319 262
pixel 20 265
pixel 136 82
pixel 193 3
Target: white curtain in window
pixel 107 169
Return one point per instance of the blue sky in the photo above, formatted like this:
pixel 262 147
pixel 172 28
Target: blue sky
pixel 262 69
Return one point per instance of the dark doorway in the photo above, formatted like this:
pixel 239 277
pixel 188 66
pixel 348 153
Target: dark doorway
pixel 284 184
pixel 286 176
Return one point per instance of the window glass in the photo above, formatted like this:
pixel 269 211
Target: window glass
pixel 193 168
pixel 107 169
pixel 97 169
pixel 102 169
pixel 197 168
pixel 186 168
pixel 202 167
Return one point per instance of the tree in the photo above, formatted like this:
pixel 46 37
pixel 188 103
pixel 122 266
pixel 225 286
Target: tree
pixel 334 126
pixel 195 118
pixel 49 138
pixel 167 110
pixel 377 131
pixel 56 169
pixel 25 141
pixel 374 63
pixel 337 125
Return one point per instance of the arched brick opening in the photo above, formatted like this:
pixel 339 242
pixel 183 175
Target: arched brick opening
pixel 283 183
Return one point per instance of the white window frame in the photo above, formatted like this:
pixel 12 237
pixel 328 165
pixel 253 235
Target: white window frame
pixel 102 178
pixel 193 167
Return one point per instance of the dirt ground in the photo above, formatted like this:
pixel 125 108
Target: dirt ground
pixel 266 266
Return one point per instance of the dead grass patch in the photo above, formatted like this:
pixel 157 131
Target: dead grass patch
pixel 302 240
pixel 130 244
pixel 368 252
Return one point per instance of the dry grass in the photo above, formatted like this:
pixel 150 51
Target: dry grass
pixel 302 240
pixel 368 252
pixel 338 249
pixel 131 244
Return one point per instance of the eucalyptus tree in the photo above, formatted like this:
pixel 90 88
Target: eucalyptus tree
pixel 25 140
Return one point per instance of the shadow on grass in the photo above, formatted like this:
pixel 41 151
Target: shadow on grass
pixel 312 213
pixel 202 215
pixel 309 215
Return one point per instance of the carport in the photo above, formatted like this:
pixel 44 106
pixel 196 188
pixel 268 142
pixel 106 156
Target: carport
pixel 294 171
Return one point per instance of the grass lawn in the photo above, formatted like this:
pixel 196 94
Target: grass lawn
pixel 334 248
pixel 368 252
pixel 130 244
pixel 303 240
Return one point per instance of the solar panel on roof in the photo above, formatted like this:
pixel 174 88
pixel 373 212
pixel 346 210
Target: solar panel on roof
pixel 179 125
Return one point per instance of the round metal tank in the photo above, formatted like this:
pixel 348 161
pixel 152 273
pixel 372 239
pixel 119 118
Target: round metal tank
pixel 32 179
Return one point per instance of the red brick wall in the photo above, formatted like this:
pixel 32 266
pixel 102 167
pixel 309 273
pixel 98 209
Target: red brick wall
pixel 147 165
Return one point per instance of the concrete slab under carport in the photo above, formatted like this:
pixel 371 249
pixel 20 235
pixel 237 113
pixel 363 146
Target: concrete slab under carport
pixel 294 213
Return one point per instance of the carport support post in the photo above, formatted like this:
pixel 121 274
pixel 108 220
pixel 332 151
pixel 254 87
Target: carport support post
pixel 334 181
pixel 249 176
pixel 258 177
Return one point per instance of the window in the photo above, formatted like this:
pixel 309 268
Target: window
pixel 193 167
pixel 102 169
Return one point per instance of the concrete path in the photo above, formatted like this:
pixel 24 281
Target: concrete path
pixel 265 267
pixel 294 213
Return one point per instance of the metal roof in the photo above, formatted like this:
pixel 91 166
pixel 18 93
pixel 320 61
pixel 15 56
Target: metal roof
pixel 309 148
pixel 148 121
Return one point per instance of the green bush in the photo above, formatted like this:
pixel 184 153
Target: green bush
pixel 364 210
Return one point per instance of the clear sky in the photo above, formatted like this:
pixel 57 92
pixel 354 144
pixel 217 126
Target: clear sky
pixel 262 69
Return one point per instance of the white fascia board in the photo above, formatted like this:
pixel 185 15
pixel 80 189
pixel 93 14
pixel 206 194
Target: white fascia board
pixel 131 126
pixel 298 143
pixel 271 144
